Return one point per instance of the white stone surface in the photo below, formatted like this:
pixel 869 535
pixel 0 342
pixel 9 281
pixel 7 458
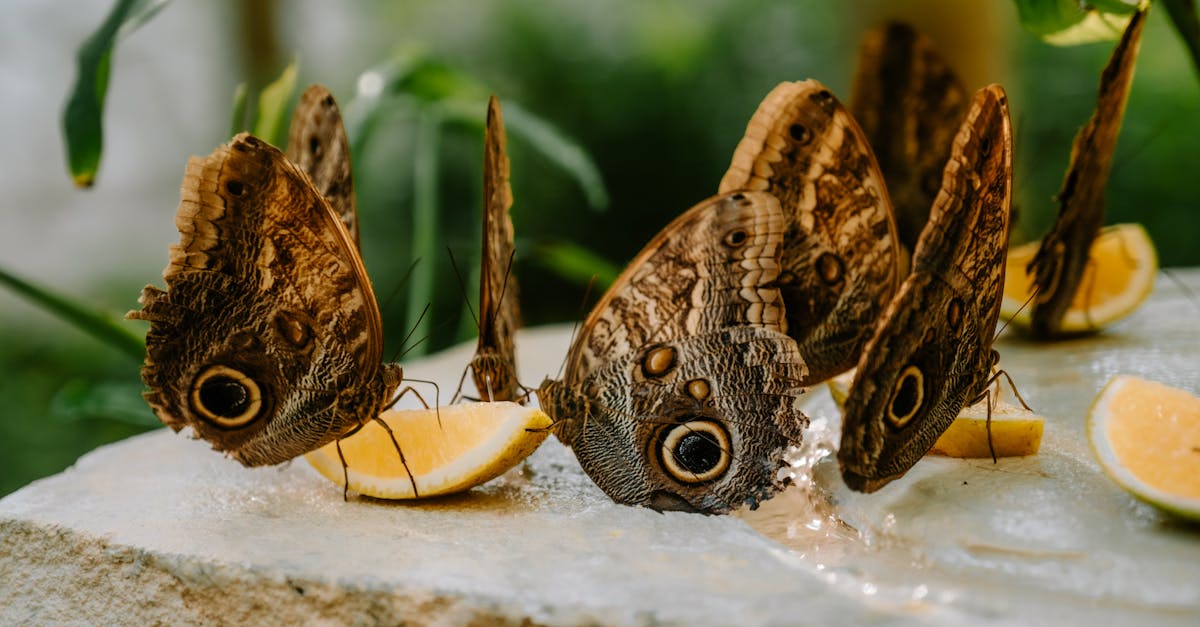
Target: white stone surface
pixel 159 528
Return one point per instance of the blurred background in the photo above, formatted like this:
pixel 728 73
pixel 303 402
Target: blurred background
pixel 632 110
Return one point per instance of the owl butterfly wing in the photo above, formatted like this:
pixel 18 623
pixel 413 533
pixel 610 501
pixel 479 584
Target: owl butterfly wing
pixel 931 352
pixel 494 366
pixel 909 104
pixel 267 340
pixel 840 253
pixel 1063 255
pixel 679 392
pixel 317 143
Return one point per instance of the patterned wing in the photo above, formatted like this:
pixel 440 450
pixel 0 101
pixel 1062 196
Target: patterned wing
pixel 931 352
pixel 317 143
pixel 267 340
pixel 1063 256
pixel 840 253
pixel 909 104
pixel 680 390
pixel 494 365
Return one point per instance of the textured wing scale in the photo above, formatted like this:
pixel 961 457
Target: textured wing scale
pixel 317 143
pixel 909 104
pixel 703 293
pixel 942 321
pixel 840 263
pixel 494 366
pixel 1060 262
pixel 266 281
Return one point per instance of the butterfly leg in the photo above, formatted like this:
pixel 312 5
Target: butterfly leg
pixel 458 395
pixel 399 452
pixel 342 458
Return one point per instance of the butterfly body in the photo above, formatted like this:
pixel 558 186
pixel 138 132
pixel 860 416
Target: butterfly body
pixel 1060 262
pixel 909 103
pixel 494 365
pixel 680 391
pixel 267 340
pixel 931 350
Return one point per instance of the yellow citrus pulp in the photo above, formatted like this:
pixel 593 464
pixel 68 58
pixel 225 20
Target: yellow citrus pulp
pixel 1016 431
pixel 1118 277
pixel 1146 436
pixel 471 443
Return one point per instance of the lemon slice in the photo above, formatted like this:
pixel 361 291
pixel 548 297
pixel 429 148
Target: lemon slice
pixel 1146 436
pixel 1118 277
pixel 474 443
pixel 1016 431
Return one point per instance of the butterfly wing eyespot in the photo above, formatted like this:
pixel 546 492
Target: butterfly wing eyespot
pixel 235 188
pixel 800 134
pixel 226 397
pixel 736 238
pixel 954 313
pixel 658 361
pixel 698 389
pixel 696 451
pixel 908 395
pixel 830 269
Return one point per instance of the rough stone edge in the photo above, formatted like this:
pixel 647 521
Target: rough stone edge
pixel 47 574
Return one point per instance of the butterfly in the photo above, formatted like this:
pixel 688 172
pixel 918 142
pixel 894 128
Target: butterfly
pixel 267 340
pixel 1059 264
pixel 840 251
pixel 679 391
pixel 909 103
pixel 930 352
pixel 494 365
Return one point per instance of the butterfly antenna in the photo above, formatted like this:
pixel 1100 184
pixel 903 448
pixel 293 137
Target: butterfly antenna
pixel 587 294
pixel 403 280
pixel 402 351
pixel 462 287
pixel 1025 304
pixel 507 273
pixel 1183 287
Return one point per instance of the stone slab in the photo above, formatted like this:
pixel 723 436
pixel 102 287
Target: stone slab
pixel 158 528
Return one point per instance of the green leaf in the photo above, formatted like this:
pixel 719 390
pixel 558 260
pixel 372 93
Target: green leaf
pixel 1072 22
pixel 99 325
pixel 1187 23
pixel 407 80
pixel 576 264
pixel 546 138
pixel 270 125
pixel 425 235
pixel 82 118
pixel 561 150
pixel 237 122
pixel 80 400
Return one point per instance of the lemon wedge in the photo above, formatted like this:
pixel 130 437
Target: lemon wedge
pixel 474 443
pixel 1118 277
pixel 1146 436
pixel 1016 431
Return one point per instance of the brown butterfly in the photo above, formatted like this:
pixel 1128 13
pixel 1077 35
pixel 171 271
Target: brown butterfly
pixel 494 366
pixel 909 104
pixel 268 340
pixel 931 351
pixel 680 390
pixel 1063 256
pixel 840 253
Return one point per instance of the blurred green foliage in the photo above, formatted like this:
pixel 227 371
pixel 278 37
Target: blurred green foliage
pixel 651 95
